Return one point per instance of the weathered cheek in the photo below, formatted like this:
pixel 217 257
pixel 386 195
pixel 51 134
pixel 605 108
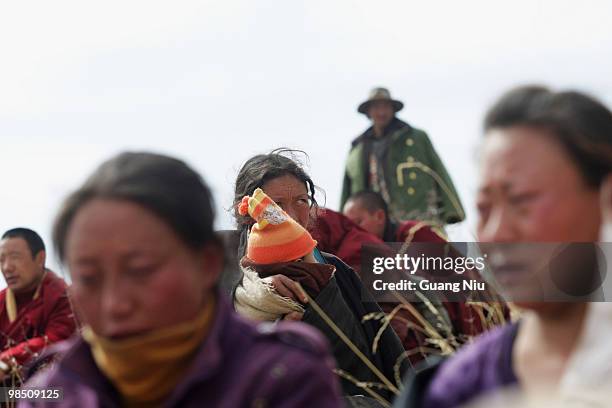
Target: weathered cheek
pixel 87 307
pixel 553 220
pixel 588 218
pixel 182 286
pixel 304 217
pixel 543 221
pixel 299 214
pixel 304 221
pixel 172 289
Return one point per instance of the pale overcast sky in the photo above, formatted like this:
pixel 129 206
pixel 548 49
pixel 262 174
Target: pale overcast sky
pixel 214 82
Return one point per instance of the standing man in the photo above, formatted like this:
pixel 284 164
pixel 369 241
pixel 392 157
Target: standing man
pixel 34 307
pixel 399 162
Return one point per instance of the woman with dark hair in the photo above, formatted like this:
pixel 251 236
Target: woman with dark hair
pixel 345 301
pixel 138 241
pixel 543 164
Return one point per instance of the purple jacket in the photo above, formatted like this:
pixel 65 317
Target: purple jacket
pixel 239 365
pixel 477 369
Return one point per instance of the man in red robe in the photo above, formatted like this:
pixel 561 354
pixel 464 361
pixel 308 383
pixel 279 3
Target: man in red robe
pixel 34 307
pixel 369 210
pixel 366 221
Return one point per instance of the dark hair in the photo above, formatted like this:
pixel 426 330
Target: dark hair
pixel 34 241
pixel 265 167
pixel 580 123
pixel 370 200
pixel 164 185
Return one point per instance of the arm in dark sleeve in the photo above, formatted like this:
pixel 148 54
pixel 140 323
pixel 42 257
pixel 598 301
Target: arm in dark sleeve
pixel 390 350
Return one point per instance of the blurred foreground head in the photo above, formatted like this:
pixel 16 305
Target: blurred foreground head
pixel 545 157
pixel 544 162
pixel 138 241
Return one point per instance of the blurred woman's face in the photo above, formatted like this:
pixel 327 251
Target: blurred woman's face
pixel 131 273
pixel 291 195
pixel 532 191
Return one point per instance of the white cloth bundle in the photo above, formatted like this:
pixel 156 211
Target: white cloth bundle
pixel 257 299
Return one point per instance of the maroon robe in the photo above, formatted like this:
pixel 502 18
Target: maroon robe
pixel 340 236
pixel 41 321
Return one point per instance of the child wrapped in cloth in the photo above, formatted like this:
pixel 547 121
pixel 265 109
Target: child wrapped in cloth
pixel 279 245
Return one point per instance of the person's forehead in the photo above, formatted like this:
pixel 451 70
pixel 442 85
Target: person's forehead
pixel 113 218
pixel 354 205
pixel 358 209
pixel 286 184
pixel 501 156
pixel 16 244
pixel 519 154
pixel 113 228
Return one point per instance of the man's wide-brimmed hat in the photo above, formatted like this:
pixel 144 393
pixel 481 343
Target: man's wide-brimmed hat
pixel 379 94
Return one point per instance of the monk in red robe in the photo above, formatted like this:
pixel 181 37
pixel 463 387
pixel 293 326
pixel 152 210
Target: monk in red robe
pixel 34 307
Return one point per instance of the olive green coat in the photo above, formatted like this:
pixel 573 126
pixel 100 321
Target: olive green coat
pixel 419 185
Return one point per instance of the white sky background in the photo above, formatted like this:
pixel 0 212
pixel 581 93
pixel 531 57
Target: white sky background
pixel 216 82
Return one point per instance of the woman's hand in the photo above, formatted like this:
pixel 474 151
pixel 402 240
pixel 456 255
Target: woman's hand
pixel 288 288
pixel 295 316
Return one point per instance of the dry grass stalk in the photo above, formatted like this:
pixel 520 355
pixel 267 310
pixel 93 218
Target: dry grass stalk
pixel 348 341
pixel 366 386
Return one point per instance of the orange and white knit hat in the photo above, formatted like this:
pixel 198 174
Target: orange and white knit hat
pixel 276 237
